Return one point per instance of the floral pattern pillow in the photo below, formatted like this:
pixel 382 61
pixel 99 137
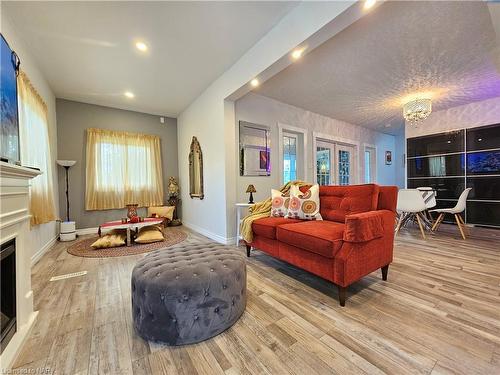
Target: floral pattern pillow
pixel 280 201
pixel 304 206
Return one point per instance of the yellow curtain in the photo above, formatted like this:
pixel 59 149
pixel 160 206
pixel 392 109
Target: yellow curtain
pixel 35 149
pixel 122 168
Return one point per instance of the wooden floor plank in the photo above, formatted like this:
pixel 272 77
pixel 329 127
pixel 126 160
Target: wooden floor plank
pixel 437 313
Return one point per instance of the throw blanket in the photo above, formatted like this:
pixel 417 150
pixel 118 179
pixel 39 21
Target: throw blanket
pixel 263 209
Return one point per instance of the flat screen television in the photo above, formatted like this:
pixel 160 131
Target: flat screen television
pixel 9 137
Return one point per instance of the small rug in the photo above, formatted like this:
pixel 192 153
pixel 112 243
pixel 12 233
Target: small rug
pixel 82 248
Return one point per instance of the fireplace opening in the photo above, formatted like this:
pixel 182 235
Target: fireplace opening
pixel 8 292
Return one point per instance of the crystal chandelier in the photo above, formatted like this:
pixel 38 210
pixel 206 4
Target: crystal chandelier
pixel 417 110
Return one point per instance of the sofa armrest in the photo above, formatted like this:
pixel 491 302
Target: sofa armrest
pixel 365 226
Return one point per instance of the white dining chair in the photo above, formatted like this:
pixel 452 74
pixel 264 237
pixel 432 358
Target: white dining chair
pixel 411 205
pixel 456 211
pixel 429 195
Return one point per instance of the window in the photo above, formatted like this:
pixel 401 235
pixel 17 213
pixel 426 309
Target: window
pixel 35 150
pixel 368 172
pixel 344 167
pixel 323 165
pixel 370 164
pixel 289 158
pixel 122 168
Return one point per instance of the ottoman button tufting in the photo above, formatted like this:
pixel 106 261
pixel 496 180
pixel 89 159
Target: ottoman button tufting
pixel 161 319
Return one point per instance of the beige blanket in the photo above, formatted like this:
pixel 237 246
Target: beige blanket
pixel 262 209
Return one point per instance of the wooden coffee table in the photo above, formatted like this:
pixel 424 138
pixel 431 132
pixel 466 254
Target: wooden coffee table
pixel 117 224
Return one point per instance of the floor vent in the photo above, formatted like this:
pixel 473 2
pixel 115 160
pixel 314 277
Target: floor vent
pixel 68 275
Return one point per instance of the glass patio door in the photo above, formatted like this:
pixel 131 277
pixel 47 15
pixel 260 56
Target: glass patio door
pixel 344 164
pixel 334 163
pixel 325 167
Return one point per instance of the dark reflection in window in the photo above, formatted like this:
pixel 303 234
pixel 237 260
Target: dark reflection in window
pixel 484 188
pixel 484 162
pixel 485 213
pixel 443 143
pixel 446 188
pixel 436 166
pixel 483 138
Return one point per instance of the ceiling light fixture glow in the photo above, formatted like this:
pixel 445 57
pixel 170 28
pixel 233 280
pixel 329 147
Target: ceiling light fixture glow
pixel 417 110
pixel 141 46
pixel 254 82
pixel 369 3
pixel 297 54
pixel 129 95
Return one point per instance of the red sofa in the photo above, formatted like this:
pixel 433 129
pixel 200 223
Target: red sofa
pixel 355 237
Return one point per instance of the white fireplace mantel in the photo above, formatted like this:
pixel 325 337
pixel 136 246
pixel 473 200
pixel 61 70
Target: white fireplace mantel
pixel 14 224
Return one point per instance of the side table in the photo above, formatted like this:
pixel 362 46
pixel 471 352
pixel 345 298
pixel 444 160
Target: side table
pixel 240 208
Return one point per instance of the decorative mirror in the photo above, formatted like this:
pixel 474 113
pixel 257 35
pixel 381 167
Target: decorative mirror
pixel 195 170
pixel 255 150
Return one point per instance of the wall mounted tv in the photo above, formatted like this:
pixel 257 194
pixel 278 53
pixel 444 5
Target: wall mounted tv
pixel 9 137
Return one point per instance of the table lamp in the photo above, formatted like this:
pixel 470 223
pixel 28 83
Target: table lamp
pixel 251 190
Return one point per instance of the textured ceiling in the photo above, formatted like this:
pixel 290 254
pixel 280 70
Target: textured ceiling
pixel 363 74
pixel 86 49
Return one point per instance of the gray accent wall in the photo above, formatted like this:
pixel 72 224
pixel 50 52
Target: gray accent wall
pixel 73 118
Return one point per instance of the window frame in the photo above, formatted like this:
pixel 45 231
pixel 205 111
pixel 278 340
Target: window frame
pixel 301 150
pixel 372 149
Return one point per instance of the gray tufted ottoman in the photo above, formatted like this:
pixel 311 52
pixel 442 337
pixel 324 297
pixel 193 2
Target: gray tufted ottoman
pixel 188 293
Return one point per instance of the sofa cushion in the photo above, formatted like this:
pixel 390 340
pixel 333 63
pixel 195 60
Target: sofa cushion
pixel 339 201
pixel 319 237
pixel 266 226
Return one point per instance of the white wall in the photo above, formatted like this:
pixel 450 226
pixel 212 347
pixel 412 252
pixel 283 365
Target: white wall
pixel 41 236
pixel 266 111
pixel 211 118
pixel 470 115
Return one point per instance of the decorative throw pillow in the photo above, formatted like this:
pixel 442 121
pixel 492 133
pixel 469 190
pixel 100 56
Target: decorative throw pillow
pixel 304 206
pixel 162 211
pixel 115 238
pixel 279 203
pixel 149 234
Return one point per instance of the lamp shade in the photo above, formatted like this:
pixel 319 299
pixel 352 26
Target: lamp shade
pixel 251 189
pixel 66 163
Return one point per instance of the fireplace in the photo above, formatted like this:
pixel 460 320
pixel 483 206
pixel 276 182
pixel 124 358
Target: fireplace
pixel 8 292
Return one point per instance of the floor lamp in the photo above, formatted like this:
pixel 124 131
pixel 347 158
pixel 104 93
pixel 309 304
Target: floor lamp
pixel 68 227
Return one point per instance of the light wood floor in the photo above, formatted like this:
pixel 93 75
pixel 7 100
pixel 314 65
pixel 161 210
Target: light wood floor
pixel 438 313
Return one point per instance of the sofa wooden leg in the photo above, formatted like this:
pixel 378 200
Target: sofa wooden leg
pixel 385 270
pixel 248 250
pixel 342 294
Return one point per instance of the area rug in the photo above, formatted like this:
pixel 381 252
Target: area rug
pixel 82 248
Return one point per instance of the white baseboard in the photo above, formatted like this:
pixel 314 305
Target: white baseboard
pixel 83 231
pixel 38 255
pixel 213 236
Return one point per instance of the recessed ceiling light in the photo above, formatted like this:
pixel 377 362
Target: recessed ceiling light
pixel 141 46
pixel 296 54
pixel 369 3
pixel 254 82
pixel 128 94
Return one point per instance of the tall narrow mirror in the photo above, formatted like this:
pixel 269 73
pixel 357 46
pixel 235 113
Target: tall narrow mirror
pixel 255 150
pixel 195 170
